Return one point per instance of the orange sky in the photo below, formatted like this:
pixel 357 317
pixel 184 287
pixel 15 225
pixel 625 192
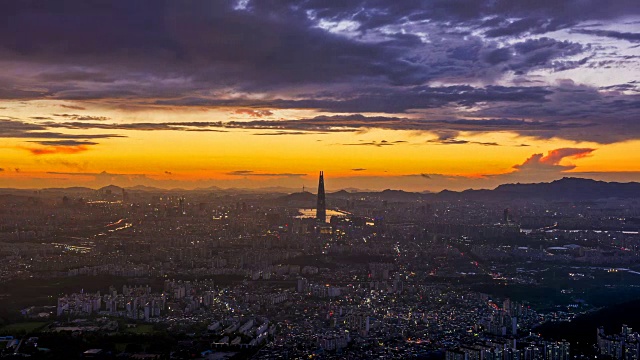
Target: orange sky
pixel 366 158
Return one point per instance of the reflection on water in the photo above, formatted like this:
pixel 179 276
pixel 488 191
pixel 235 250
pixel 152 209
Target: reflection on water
pixel 311 213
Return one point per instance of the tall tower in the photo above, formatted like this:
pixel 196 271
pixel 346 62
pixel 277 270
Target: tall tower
pixel 321 207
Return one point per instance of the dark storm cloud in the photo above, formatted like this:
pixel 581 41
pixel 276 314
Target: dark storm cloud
pixel 185 126
pixel 593 116
pixel 629 86
pixel 487 61
pixel 376 13
pixel 358 122
pixel 456 141
pixel 369 56
pixel 572 112
pixel 380 143
pixel 201 42
pixel 64 142
pixel 18 94
pixel 517 27
pixel 82 117
pixel 252 173
pixel 150 49
pixel 452 141
pixel 498 56
pixel 254 113
pixel 19 129
pixel 447 129
pixel 449 137
pixel 384 99
pixel 282 133
pixel 72 107
pixel 354 122
pixel 543 52
pixel 633 37
pixel 76 75
pixel 595 130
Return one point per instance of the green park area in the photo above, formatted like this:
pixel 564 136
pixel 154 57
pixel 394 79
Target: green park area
pixel 140 329
pixel 22 328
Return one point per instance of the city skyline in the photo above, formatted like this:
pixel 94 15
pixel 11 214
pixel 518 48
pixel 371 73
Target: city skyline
pixel 416 96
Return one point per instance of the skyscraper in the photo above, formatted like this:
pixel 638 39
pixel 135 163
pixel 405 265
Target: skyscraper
pixel 506 218
pixel 321 207
pixel 181 201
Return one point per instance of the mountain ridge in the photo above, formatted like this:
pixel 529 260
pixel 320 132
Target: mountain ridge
pixel 565 189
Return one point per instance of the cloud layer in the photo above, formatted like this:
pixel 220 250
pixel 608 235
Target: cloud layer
pixel 360 57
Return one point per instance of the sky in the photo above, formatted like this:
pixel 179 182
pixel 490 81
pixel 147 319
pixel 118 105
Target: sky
pixel 379 94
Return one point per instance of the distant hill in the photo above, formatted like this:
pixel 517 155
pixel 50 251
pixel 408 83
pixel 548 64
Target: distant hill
pixel 340 194
pixel 573 189
pixel 304 199
pixel 388 195
pixel 565 189
pixel 210 188
pixel 144 188
pixel 111 188
pixel 74 189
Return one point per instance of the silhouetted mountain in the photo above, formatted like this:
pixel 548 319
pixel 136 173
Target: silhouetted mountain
pixel 565 189
pixel 110 188
pixel 144 188
pixel 73 189
pixel 271 189
pixel 398 195
pixel 573 189
pixel 175 190
pixel 355 190
pixel 210 188
pixel 305 199
pixel 340 194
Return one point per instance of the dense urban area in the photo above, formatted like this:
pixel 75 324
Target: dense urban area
pixel 145 273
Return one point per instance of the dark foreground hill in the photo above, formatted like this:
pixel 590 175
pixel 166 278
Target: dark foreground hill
pixel 581 332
